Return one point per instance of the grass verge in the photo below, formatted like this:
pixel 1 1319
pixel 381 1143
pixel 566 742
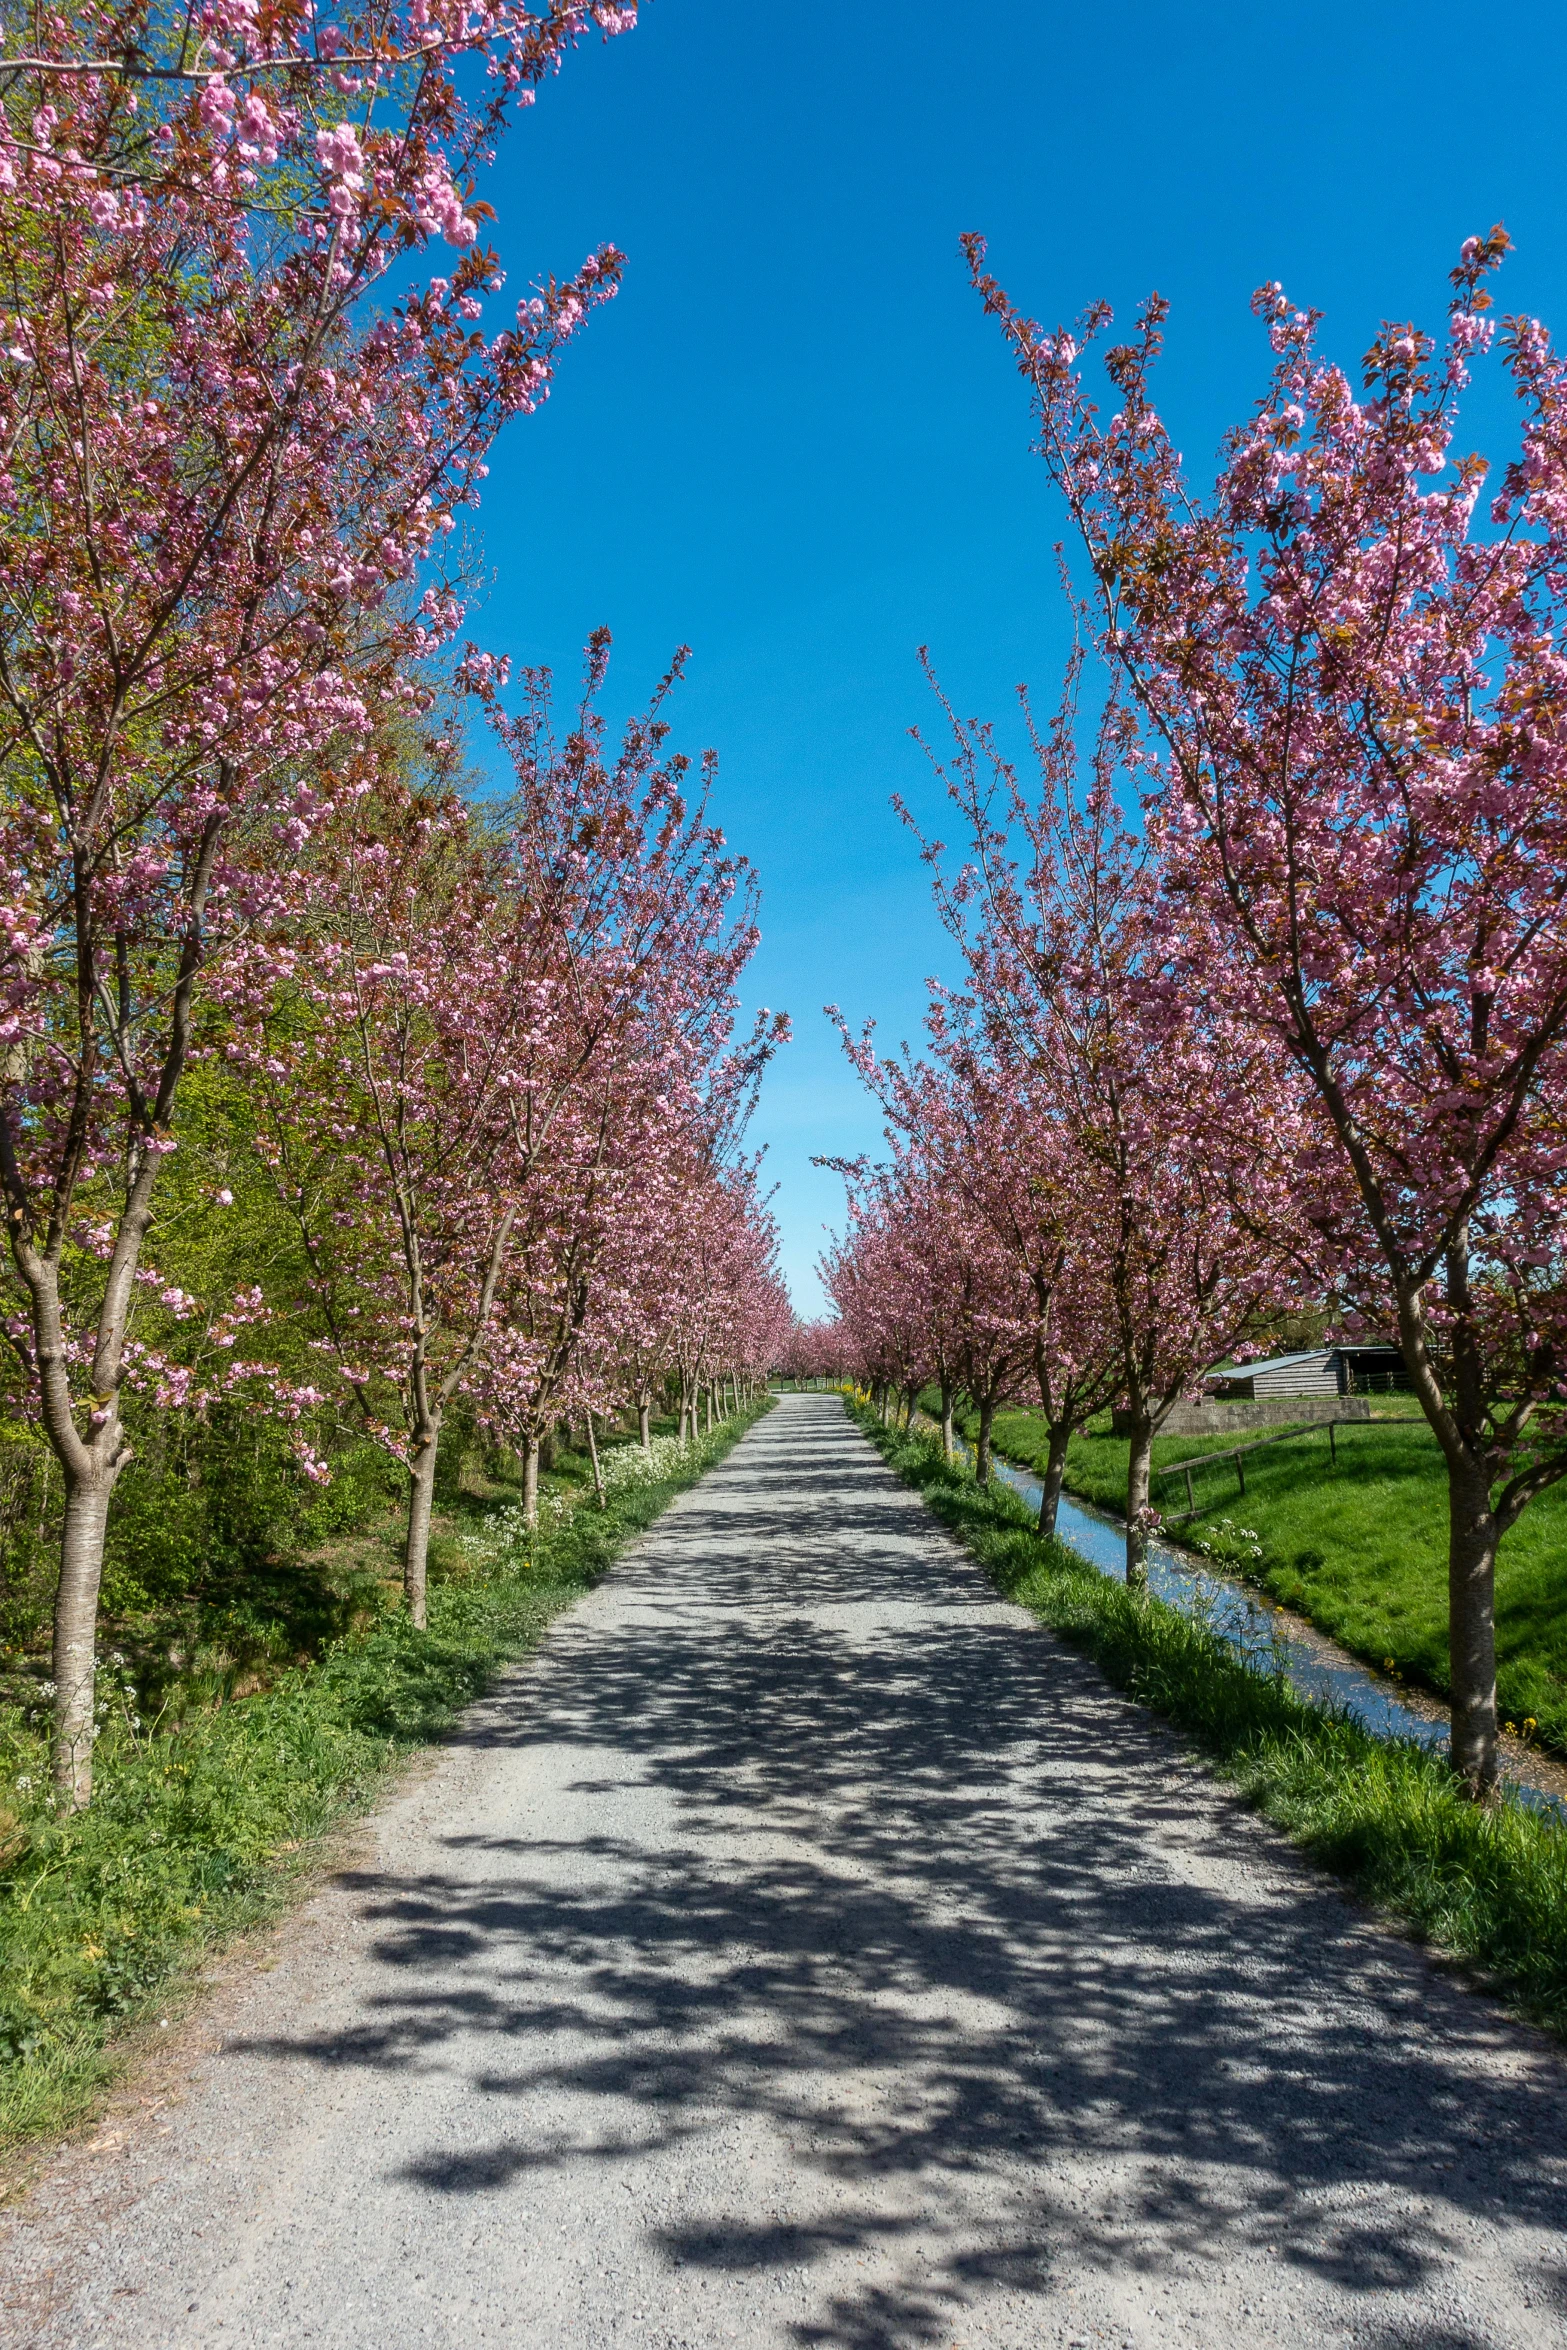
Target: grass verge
pixel 194 1837
pixel 1486 1886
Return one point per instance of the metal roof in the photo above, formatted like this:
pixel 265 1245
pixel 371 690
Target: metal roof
pixel 1309 1354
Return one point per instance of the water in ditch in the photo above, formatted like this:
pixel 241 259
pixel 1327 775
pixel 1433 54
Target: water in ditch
pixel 1268 1640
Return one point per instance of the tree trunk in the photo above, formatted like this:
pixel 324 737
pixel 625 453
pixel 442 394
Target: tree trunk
pixel 947 1445
pixel 987 1413
pixel 1055 1471
pixel 416 1551
pixel 90 1468
pixel 710 1412
pixel 1471 1626
pixel 644 1423
pixel 593 1455
pixel 1457 1420
pixel 1138 1465
pixel 530 1480
pixel 75 1633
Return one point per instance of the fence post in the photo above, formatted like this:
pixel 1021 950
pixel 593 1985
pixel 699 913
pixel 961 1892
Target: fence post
pixel 1333 1444
pixel 1240 1471
pixel 1191 1498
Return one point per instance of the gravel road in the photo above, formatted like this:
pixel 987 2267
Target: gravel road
pixel 804 1949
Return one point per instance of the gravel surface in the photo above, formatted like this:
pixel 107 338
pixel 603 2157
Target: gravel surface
pixel 803 1948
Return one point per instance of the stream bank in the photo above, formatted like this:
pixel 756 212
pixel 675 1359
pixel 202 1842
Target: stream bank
pixel 1273 1640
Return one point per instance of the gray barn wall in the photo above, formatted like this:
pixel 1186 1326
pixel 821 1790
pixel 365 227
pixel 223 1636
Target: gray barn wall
pixel 1309 1378
pixel 1270 1411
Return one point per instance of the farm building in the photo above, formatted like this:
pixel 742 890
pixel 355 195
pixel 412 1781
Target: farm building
pixel 1321 1370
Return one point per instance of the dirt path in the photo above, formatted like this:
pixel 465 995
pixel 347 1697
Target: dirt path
pixel 805 1950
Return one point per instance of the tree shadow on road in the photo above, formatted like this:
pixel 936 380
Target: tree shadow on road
pixel 1015 1988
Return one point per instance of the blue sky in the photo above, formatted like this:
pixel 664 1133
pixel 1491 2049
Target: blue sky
pixel 795 443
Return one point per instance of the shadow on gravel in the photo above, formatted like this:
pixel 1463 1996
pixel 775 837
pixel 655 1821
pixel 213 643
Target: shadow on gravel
pixel 940 1906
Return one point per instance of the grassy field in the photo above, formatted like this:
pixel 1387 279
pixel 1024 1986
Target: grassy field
pixel 1360 1549
pixel 197 1832
pixel 1487 1885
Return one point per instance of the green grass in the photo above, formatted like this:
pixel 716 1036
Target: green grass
pixel 195 1835
pixel 1486 1885
pixel 1361 1550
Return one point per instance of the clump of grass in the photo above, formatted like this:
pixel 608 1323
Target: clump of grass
pixel 194 1835
pixel 1485 1885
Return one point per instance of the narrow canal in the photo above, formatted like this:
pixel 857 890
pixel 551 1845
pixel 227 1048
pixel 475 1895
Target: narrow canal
pixel 1273 1641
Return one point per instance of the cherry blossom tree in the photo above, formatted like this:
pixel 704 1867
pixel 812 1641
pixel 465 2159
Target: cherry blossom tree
pixel 731 1307
pixel 1168 1123
pixel 865 1272
pixel 564 1276
pixel 582 1331
pixel 404 1052
pixel 955 1293
pixel 1024 1180
pixel 221 474
pixel 993 1147
pixel 627 1346
pixel 1356 689
pixel 134 97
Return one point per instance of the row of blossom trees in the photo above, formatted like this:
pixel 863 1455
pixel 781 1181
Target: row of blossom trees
pixel 493 1074
pixel 1271 1003
pixel 489 1061
pixel 1058 1216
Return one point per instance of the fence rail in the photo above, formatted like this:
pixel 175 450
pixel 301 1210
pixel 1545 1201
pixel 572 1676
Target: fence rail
pixel 1237 1453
